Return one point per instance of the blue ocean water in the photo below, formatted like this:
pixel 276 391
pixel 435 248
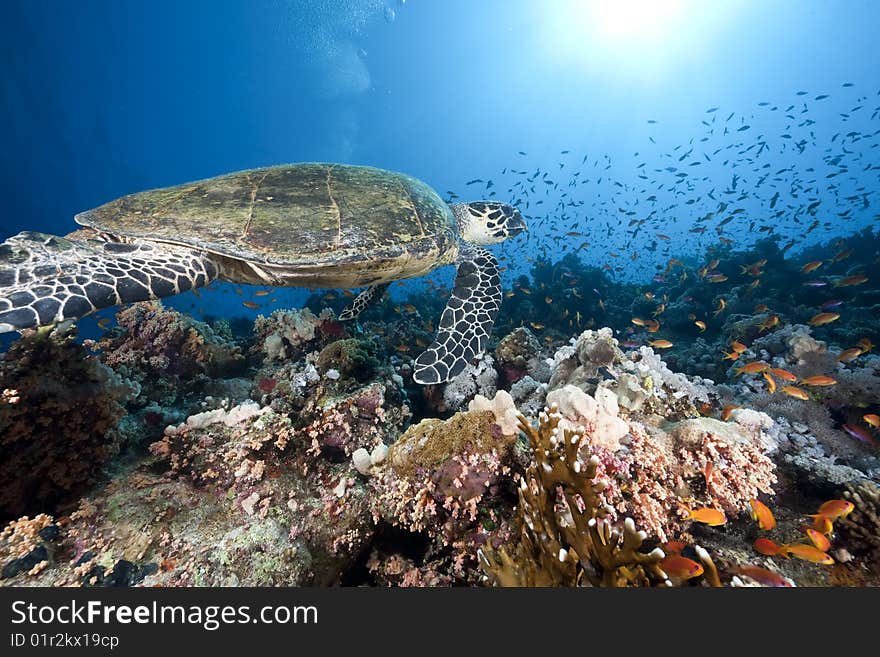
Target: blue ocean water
pixel 590 116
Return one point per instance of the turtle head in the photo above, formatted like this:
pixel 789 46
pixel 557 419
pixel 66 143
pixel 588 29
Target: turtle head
pixel 487 222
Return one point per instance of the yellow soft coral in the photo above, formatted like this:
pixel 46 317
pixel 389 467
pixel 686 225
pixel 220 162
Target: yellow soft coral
pixel 567 537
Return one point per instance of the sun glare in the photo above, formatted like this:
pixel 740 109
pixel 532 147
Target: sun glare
pixel 641 38
pixel 631 19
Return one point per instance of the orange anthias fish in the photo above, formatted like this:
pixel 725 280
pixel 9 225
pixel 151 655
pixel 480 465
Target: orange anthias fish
pixel 811 266
pixel 767 547
pixel 250 304
pixel 673 547
pixel 873 419
pixel 762 514
pixel 823 318
pixel 722 304
pixel 660 344
pixel 707 516
pixel 818 539
pixel 771 384
pixel 859 434
pixel 738 347
pixel 785 375
pixel 850 281
pixel 769 323
pixel 752 368
pixel 764 576
pixel 754 269
pixel 680 567
pixel 819 381
pixel 849 355
pixel 843 255
pixel 835 509
pixel 822 524
pixel 702 325
pixel 865 344
pixel 797 393
pixel 728 410
pixel 807 553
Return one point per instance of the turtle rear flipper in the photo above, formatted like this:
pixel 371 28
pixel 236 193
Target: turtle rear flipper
pixel 467 320
pixel 363 301
pixel 46 279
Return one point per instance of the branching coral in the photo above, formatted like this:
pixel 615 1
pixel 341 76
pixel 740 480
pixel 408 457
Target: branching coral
pixel 566 535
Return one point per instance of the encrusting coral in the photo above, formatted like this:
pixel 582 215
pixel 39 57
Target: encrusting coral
pixel 566 535
pixel 438 473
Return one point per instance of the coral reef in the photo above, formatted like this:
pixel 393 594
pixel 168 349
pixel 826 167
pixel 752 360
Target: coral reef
pixel 518 354
pixel 478 377
pixel 349 359
pixel 565 536
pixel 285 334
pixel 860 530
pixel 26 545
pixel 167 354
pixel 59 414
pixel 439 471
pixel 361 418
pixel 299 452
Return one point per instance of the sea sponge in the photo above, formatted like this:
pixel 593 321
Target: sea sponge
pixel 597 415
pixel 502 408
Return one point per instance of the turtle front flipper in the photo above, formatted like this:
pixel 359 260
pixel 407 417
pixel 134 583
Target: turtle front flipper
pixel 363 301
pixel 46 279
pixel 466 321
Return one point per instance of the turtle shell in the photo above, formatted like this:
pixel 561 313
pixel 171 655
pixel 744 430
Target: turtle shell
pixel 290 216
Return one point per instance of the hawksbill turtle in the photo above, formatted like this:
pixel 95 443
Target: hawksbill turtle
pixel 297 225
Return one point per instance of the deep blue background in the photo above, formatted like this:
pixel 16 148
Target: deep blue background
pixel 101 98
